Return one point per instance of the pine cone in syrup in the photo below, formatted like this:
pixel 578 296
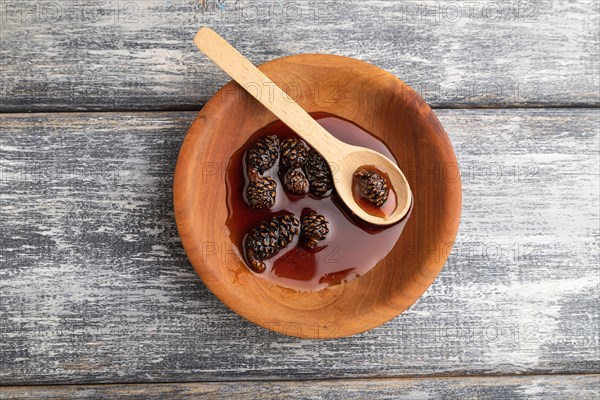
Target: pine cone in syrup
pixel 268 238
pixel 319 174
pixel 295 182
pixel 373 186
pixel 263 154
pixel 261 192
pixel 314 229
pixel 293 153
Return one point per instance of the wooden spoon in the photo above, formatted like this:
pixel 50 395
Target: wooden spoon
pixel 344 157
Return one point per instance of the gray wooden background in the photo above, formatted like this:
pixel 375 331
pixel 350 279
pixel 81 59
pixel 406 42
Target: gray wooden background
pixel 98 300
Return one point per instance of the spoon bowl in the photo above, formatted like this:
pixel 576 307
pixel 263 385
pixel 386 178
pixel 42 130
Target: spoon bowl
pixel 355 157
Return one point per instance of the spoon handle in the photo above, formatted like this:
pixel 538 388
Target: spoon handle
pixel 275 100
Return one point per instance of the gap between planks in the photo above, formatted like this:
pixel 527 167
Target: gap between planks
pixel 440 377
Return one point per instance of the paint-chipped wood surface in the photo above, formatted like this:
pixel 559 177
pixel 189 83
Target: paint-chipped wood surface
pixel 95 287
pixel 138 54
pixel 576 387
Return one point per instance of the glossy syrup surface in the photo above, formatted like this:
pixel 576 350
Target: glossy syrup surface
pixel 351 248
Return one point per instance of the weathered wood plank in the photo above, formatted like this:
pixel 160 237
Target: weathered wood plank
pixel 94 285
pixel 580 387
pixel 74 55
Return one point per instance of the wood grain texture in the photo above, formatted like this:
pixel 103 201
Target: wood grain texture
pixel 95 287
pixel 139 54
pixel 582 387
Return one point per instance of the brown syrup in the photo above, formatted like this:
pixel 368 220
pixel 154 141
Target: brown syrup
pixel 352 246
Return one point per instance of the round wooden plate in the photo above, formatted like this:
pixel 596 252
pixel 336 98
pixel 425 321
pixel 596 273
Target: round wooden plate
pixel 379 103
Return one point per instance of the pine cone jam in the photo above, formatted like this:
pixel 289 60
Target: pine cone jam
pixel 295 182
pixel 268 238
pixel 372 191
pixel 285 218
pixel 314 229
pixel 372 185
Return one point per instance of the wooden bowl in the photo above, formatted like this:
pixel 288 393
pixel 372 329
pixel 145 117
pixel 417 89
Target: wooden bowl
pixel 381 104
